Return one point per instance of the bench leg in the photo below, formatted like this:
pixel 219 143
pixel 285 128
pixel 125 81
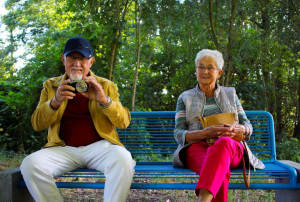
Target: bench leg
pixel 8 187
pixel 288 195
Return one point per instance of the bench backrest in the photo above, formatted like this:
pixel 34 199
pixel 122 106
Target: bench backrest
pixel 151 133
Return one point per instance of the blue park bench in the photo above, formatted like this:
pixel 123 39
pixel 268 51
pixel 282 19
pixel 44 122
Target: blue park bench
pixel 150 140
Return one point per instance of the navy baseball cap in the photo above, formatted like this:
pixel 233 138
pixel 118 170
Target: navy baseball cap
pixel 78 44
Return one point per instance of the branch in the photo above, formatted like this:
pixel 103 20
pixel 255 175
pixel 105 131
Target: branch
pixel 211 20
pixel 230 42
pixel 199 9
pixel 294 6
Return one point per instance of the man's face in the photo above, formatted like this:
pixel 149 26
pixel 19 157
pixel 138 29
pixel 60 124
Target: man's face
pixel 76 65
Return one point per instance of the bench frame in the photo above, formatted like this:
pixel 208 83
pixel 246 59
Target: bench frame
pixel 157 130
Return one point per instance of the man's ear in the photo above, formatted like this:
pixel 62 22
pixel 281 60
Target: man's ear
pixel 92 60
pixel 62 57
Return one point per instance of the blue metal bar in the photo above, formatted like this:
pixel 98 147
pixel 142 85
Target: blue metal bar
pixel 292 171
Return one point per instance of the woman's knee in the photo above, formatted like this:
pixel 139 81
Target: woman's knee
pixel 224 140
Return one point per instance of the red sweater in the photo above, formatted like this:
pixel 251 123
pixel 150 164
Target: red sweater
pixel 76 126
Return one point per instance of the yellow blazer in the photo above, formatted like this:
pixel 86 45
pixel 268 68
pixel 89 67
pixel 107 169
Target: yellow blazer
pixel 105 119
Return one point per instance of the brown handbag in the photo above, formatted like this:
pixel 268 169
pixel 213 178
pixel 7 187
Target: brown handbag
pixel 221 119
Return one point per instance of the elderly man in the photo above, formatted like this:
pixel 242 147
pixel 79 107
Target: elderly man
pixel 81 129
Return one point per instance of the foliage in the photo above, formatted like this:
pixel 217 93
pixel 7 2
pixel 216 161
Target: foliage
pixel 259 41
pixel 289 149
pixel 152 157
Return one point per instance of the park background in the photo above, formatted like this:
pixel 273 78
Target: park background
pixel 148 48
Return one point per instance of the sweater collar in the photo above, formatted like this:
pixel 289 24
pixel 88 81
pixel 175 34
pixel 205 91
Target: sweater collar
pixel 217 91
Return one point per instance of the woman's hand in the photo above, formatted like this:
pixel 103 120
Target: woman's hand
pixel 236 131
pixel 217 131
pixel 211 132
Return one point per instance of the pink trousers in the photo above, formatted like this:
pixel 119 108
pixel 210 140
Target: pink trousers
pixel 213 164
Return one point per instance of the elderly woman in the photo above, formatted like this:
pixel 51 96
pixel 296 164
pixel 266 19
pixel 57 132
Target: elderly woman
pixel 211 163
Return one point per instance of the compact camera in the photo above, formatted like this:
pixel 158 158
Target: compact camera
pixel 80 86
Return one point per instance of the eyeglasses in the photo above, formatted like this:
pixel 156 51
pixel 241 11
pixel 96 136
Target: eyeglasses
pixel 210 69
pixel 72 59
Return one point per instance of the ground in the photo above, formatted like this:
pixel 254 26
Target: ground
pixel 87 195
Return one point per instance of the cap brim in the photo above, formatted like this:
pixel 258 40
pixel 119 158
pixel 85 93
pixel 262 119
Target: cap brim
pixel 83 52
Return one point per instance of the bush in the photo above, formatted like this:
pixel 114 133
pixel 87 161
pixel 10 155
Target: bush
pixel 289 150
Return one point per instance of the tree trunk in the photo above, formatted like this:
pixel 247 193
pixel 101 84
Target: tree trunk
pixel 263 80
pixel 117 36
pixel 230 42
pixel 212 26
pixel 297 116
pixel 278 109
pixel 11 71
pixel 113 51
pixel 138 36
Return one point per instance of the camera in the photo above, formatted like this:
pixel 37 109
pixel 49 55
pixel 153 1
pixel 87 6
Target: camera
pixel 80 86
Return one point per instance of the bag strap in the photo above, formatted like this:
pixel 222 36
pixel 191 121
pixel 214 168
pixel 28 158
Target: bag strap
pixel 246 180
pixel 203 122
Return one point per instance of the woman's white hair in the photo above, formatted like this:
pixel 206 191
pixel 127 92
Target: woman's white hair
pixel 216 55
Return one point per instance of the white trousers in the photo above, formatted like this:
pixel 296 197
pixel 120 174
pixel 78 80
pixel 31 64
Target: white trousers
pixel 39 168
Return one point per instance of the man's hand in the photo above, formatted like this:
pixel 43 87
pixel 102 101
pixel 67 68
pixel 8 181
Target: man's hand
pixel 63 93
pixel 95 91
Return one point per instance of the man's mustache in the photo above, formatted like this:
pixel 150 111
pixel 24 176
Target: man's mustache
pixel 76 68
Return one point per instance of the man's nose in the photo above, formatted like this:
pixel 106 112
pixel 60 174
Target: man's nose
pixel 77 62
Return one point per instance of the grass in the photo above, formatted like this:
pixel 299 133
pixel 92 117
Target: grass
pixel 10 160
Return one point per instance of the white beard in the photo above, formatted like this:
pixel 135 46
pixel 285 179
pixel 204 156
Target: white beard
pixel 76 76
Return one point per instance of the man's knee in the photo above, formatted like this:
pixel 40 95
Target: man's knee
pixel 28 165
pixel 122 158
pixel 31 164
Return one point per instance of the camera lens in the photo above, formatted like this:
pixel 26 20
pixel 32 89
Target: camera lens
pixel 81 87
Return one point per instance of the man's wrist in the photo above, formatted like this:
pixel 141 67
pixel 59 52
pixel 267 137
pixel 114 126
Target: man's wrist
pixel 54 104
pixel 57 99
pixel 108 101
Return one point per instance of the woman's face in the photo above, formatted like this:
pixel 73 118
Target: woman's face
pixel 207 72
